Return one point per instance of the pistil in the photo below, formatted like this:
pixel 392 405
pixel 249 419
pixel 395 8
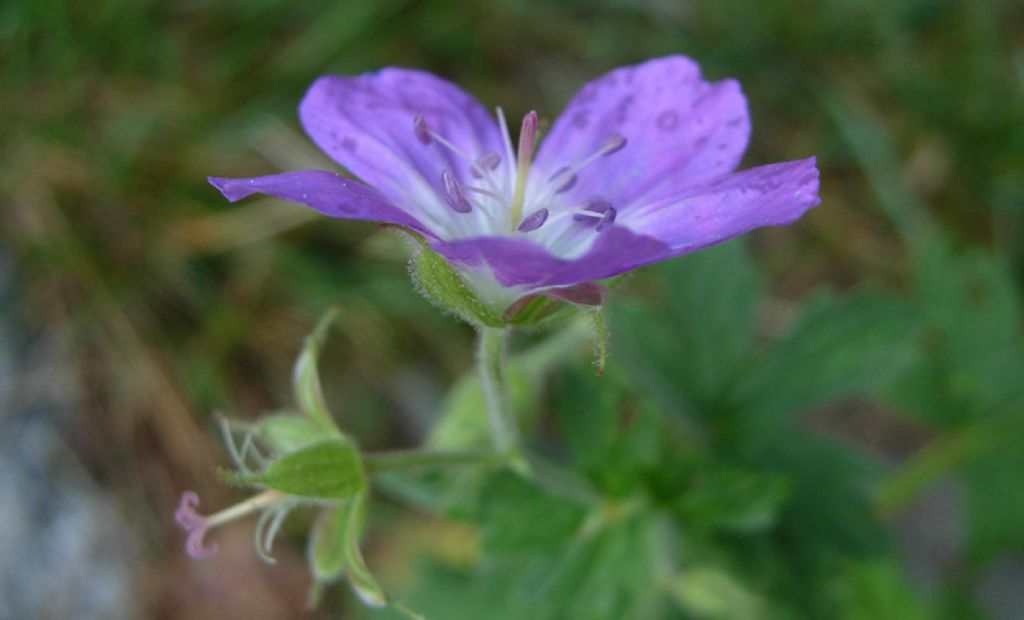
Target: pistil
pixel 527 142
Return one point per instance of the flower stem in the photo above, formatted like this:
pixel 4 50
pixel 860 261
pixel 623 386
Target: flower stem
pixel 491 366
pixel 409 459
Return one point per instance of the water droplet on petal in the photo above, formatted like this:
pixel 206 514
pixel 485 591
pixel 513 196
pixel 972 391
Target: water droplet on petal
pixel 668 120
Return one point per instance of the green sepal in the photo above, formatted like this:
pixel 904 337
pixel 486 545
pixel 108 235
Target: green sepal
pixel 326 470
pixel 361 579
pixel 306 379
pixel 446 288
pixel 284 433
pixel 539 311
pixel 327 543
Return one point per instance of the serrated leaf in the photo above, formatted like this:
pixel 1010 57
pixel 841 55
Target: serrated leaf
pixel 286 433
pixel 837 348
pixel 735 500
pixel 688 350
pixel 325 470
pixel 517 515
pixel 829 508
pixel 306 379
pixel 445 287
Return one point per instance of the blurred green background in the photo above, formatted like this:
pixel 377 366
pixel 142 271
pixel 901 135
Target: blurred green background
pixel 846 394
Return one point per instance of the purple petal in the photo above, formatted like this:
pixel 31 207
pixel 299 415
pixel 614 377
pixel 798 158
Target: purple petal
pixel 375 124
pixel 521 262
pixel 326 192
pixel 582 294
pixel 678 129
pixel 723 208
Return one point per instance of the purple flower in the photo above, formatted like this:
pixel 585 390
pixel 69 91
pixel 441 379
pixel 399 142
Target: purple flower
pixel 637 169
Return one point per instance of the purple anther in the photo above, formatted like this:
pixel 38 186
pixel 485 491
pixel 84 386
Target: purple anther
pixel 598 207
pixel 489 161
pixel 607 219
pixel 419 127
pixel 195 524
pixel 533 221
pixel 564 179
pixel 453 194
pixel 612 144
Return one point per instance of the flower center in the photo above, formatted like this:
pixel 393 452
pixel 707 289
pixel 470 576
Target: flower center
pixel 506 206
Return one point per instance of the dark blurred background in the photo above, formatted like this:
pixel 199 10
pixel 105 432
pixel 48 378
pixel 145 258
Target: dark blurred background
pixel 137 302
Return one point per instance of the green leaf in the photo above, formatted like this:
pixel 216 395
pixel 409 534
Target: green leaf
pixel 712 594
pixel 286 433
pixel 829 509
pixel 687 349
pixel 735 500
pixel 995 494
pixel 972 313
pixel 306 379
pixel 877 589
pixel 837 348
pixel 615 437
pixel 610 575
pixel 518 516
pixel 327 470
pixel 462 421
pixel 445 287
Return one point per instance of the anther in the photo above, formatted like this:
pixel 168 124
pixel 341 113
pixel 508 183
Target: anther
pixel 612 144
pixel 489 161
pixel 565 178
pixel 597 206
pixel 533 221
pixel 453 194
pixel 597 209
pixel 419 127
pixel 607 219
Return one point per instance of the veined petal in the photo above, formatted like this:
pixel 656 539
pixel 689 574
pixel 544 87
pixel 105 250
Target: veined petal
pixel 366 124
pixel 722 208
pixel 326 192
pixel 519 262
pixel 678 129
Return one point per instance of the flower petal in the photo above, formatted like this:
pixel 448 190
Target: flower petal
pixel 366 124
pixel 728 206
pixel 326 192
pixel 519 262
pixel 678 128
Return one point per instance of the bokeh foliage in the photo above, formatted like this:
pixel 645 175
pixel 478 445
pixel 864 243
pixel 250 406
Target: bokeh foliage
pixel 765 427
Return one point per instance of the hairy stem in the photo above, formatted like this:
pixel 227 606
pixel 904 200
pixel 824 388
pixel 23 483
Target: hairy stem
pixel 410 459
pixel 491 366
